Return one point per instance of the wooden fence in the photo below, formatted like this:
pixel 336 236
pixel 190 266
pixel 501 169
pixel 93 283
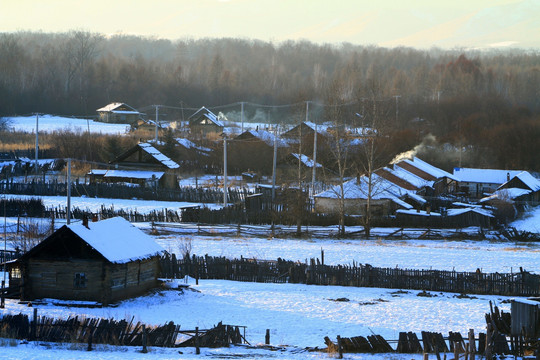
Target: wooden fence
pixel 115 332
pixel 105 190
pixel 521 283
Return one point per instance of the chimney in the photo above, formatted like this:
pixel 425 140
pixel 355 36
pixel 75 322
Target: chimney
pixel 507 176
pixel 85 222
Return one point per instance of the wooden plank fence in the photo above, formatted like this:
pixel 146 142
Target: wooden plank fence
pixel 113 332
pixel 521 283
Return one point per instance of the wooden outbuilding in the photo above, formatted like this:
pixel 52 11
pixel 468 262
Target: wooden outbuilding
pixel 102 261
pixel 118 113
pixel 205 121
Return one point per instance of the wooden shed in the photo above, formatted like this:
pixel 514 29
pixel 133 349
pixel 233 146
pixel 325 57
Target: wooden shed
pixel 102 261
pixel 118 113
pixel 526 318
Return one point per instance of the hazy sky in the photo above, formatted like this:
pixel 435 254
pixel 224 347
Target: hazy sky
pixel 416 23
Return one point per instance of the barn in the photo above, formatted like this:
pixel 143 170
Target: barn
pixel 103 261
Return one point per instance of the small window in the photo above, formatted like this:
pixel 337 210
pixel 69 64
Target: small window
pixel 79 282
pixel 16 273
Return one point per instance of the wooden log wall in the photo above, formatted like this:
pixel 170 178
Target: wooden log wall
pixel 521 283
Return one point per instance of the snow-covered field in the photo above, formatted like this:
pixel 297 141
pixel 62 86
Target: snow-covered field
pixel 51 123
pixel 298 316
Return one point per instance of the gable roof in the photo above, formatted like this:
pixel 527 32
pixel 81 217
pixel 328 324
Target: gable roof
pixel 486 176
pixel 205 113
pixel 306 160
pixel 526 179
pixel 117 240
pixel 265 136
pixel 156 154
pixel 424 170
pixel 114 107
pixel 381 189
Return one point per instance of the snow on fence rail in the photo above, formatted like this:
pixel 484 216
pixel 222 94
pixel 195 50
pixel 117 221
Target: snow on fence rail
pixel 521 283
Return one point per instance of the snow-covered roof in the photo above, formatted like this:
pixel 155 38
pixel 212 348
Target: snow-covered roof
pixel 113 106
pixel 156 154
pixel 306 160
pixel 267 137
pixel 486 176
pixel 188 144
pixel 506 194
pixel 381 189
pixel 429 169
pixel 527 179
pixel 134 174
pixel 97 172
pixel 456 212
pixel 209 115
pixel 117 240
pixel 417 212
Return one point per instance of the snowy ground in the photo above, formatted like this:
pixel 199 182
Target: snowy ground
pixel 297 315
pixel 50 123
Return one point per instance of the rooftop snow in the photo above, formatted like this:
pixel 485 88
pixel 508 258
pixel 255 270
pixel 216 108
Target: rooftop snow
pixel 156 154
pixel 112 106
pixel 526 178
pixel 487 176
pixel 188 144
pixel 430 169
pixel 267 137
pixel 117 240
pixel 134 174
pixel 507 193
pixel 306 160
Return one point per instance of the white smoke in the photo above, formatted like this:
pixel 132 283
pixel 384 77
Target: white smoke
pixel 428 140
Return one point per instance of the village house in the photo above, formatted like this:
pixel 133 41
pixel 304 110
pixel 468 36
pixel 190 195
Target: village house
pixel 145 157
pixel 104 261
pixel 386 198
pixel 477 183
pixel 442 182
pixel 522 190
pixel 254 150
pixel 118 113
pixel 204 121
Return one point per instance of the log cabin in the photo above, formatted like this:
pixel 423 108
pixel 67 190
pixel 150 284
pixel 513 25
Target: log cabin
pixel 104 261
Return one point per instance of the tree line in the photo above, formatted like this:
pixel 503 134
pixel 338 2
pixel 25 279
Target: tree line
pixel 485 105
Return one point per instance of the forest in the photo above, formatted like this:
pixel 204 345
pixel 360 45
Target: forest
pixel 482 105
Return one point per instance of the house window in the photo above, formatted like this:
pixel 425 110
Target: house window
pixel 79 281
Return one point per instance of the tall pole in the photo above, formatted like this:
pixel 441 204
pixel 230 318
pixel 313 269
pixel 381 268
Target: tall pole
pixel 224 171
pixel 397 106
pixel 307 111
pixel 68 215
pixel 274 165
pixel 313 175
pixel 242 115
pixel 157 116
pixel 2 303
pixel 37 142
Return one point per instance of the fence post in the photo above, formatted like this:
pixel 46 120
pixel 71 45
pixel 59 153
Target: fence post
pixel 340 347
pixel 3 296
pixel 144 349
pixel 34 325
pixel 89 342
pixel 197 348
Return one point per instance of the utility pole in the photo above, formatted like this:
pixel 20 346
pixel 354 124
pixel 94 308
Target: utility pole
pixel 37 143
pixel 68 213
pixel 242 115
pixel 314 162
pixel 224 170
pixel 307 111
pixel 157 115
pixel 397 107
pixel 274 166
